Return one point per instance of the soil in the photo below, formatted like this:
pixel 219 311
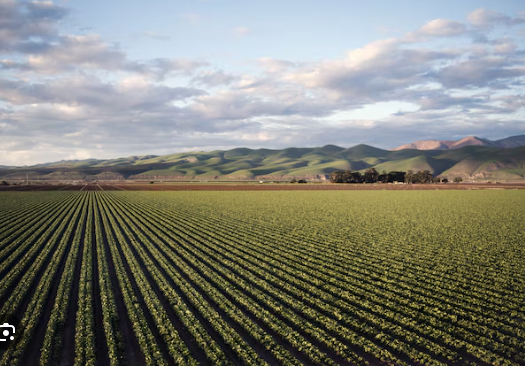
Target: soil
pixel 259 187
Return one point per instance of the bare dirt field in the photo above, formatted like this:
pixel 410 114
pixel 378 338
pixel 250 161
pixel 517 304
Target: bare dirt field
pixel 258 187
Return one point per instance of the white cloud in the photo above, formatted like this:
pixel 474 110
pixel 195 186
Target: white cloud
pixel 135 93
pixel 442 28
pixel 86 52
pixel 375 111
pixel 80 154
pixel 369 73
pixel 489 18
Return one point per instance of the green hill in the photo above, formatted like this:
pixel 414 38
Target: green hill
pixel 468 162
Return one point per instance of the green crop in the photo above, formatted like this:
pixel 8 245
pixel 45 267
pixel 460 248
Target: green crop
pixel 257 278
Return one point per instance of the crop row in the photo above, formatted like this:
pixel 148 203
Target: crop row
pixel 147 342
pixel 52 346
pixel 290 318
pixel 84 327
pixel 227 333
pixel 177 348
pixel 260 279
pixel 472 332
pixel 62 239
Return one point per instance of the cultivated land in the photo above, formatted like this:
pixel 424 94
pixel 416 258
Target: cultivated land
pixel 270 277
pixel 255 186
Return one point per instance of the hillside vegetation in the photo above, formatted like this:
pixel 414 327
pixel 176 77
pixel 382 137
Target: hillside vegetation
pixel 468 162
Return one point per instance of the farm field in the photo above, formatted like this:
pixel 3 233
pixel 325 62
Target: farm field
pixel 342 277
pixel 255 186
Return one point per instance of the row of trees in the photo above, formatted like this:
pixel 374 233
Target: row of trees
pixel 371 176
pixel 420 177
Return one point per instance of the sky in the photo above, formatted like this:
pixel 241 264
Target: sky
pixel 105 79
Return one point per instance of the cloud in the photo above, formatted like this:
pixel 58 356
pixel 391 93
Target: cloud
pixel 80 154
pixel 78 95
pixel 26 24
pixel 78 52
pixel 213 78
pixel 72 52
pixel 89 52
pixel 161 68
pixel 262 99
pixel 441 101
pixel 372 71
pixel 128 94
pixel 442 28
pixel 30 42
pixel 485 18
pixel 479 72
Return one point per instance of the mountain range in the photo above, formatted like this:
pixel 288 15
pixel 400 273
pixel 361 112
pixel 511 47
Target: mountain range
pixel 476 161
pixel 510 142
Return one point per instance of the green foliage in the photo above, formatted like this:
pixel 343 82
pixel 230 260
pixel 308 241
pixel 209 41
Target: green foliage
pixel 370 176
pixel 420 177
pixel 255 278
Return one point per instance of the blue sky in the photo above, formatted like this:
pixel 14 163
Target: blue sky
pixel 105 79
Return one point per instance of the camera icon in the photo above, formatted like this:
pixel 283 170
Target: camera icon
pixel 7 330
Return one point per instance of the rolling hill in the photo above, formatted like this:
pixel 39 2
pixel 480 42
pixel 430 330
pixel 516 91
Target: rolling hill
pixel 510 142
pixel 471 161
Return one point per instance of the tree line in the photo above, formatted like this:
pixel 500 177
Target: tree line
pixel 372 176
